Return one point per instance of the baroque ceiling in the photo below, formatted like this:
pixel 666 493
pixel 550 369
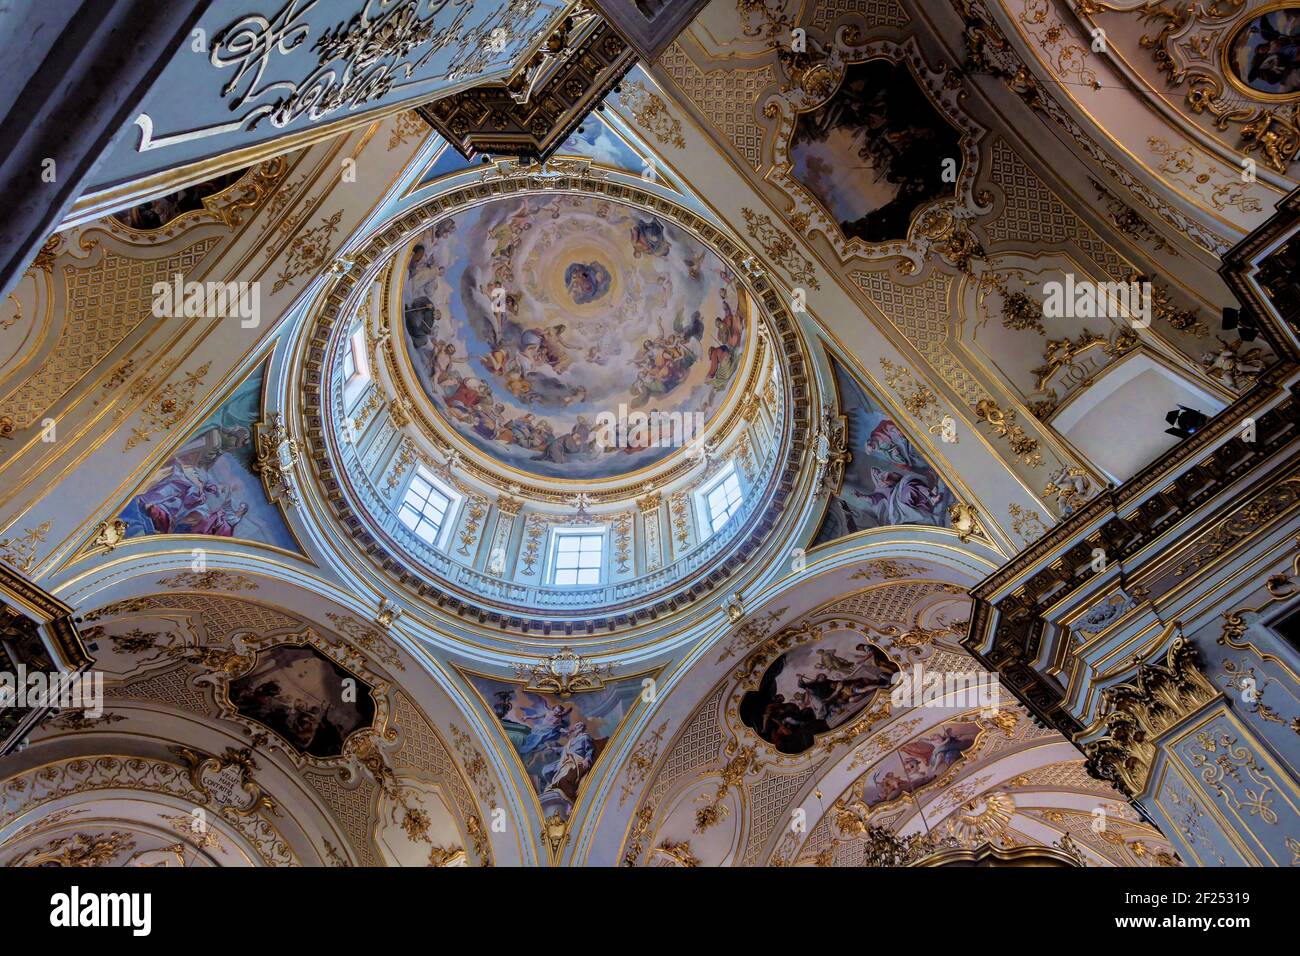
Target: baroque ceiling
pixel 833 266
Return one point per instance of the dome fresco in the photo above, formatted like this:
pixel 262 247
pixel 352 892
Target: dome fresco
pixel 571 336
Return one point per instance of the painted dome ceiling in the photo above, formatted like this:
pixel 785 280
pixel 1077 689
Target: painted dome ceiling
pixel 535 324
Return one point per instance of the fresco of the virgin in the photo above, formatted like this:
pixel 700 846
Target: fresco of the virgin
pixel 527 319
pixel 815 688
pixel 875 151
pixel 887 481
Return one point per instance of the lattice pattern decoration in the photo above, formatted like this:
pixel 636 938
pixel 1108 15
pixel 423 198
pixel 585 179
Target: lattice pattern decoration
pixel 105 303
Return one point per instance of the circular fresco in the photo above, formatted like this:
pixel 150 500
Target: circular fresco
pixel 570 336
pixel 1263 54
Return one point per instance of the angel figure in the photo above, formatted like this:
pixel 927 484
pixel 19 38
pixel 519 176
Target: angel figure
pixel 1070 486
pixel 1233 368
pixel 548 724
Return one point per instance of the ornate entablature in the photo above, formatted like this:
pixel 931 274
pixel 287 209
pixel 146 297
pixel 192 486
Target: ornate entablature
pixel 532 112
pixel 474 391
pixel 1103 627
pixel 37 633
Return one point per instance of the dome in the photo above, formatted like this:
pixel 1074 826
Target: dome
pixel 556 373
pixel 570 336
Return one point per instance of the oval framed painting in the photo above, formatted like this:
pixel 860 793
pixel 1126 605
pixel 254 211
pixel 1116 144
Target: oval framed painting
pixel 816 687
pixel 1261 56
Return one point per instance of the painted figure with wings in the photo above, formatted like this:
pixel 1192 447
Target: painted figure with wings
pixel 548 723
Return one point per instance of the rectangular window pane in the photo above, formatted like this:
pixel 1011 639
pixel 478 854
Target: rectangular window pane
pixel 423 509
pixel 723 501
pixel 354 359
pixel 579 559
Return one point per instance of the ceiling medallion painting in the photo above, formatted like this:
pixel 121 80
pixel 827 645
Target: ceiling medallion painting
pixel 1263 54
pixel 875 151
pixel 920 762
pixel 306 698
pixel 227 199
pixel 536 324
pixel 865 157
pixel 160 212
pixel 318 699
pixel 815 688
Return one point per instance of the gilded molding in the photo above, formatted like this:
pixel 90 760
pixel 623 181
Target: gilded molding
pixel 1227 533
pixel 20 550
pixel 168 407
pixel 1273 130
pixel 1134 714
pixel 988 51
pixel 275 455
pixel 651 114
pixel 224 779
pixel 831 451
pixel 564 673
pixel 1023 445
pixel 780 248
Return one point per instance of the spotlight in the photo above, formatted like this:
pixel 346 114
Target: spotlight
pixel 1236 319
pixel 1186 422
